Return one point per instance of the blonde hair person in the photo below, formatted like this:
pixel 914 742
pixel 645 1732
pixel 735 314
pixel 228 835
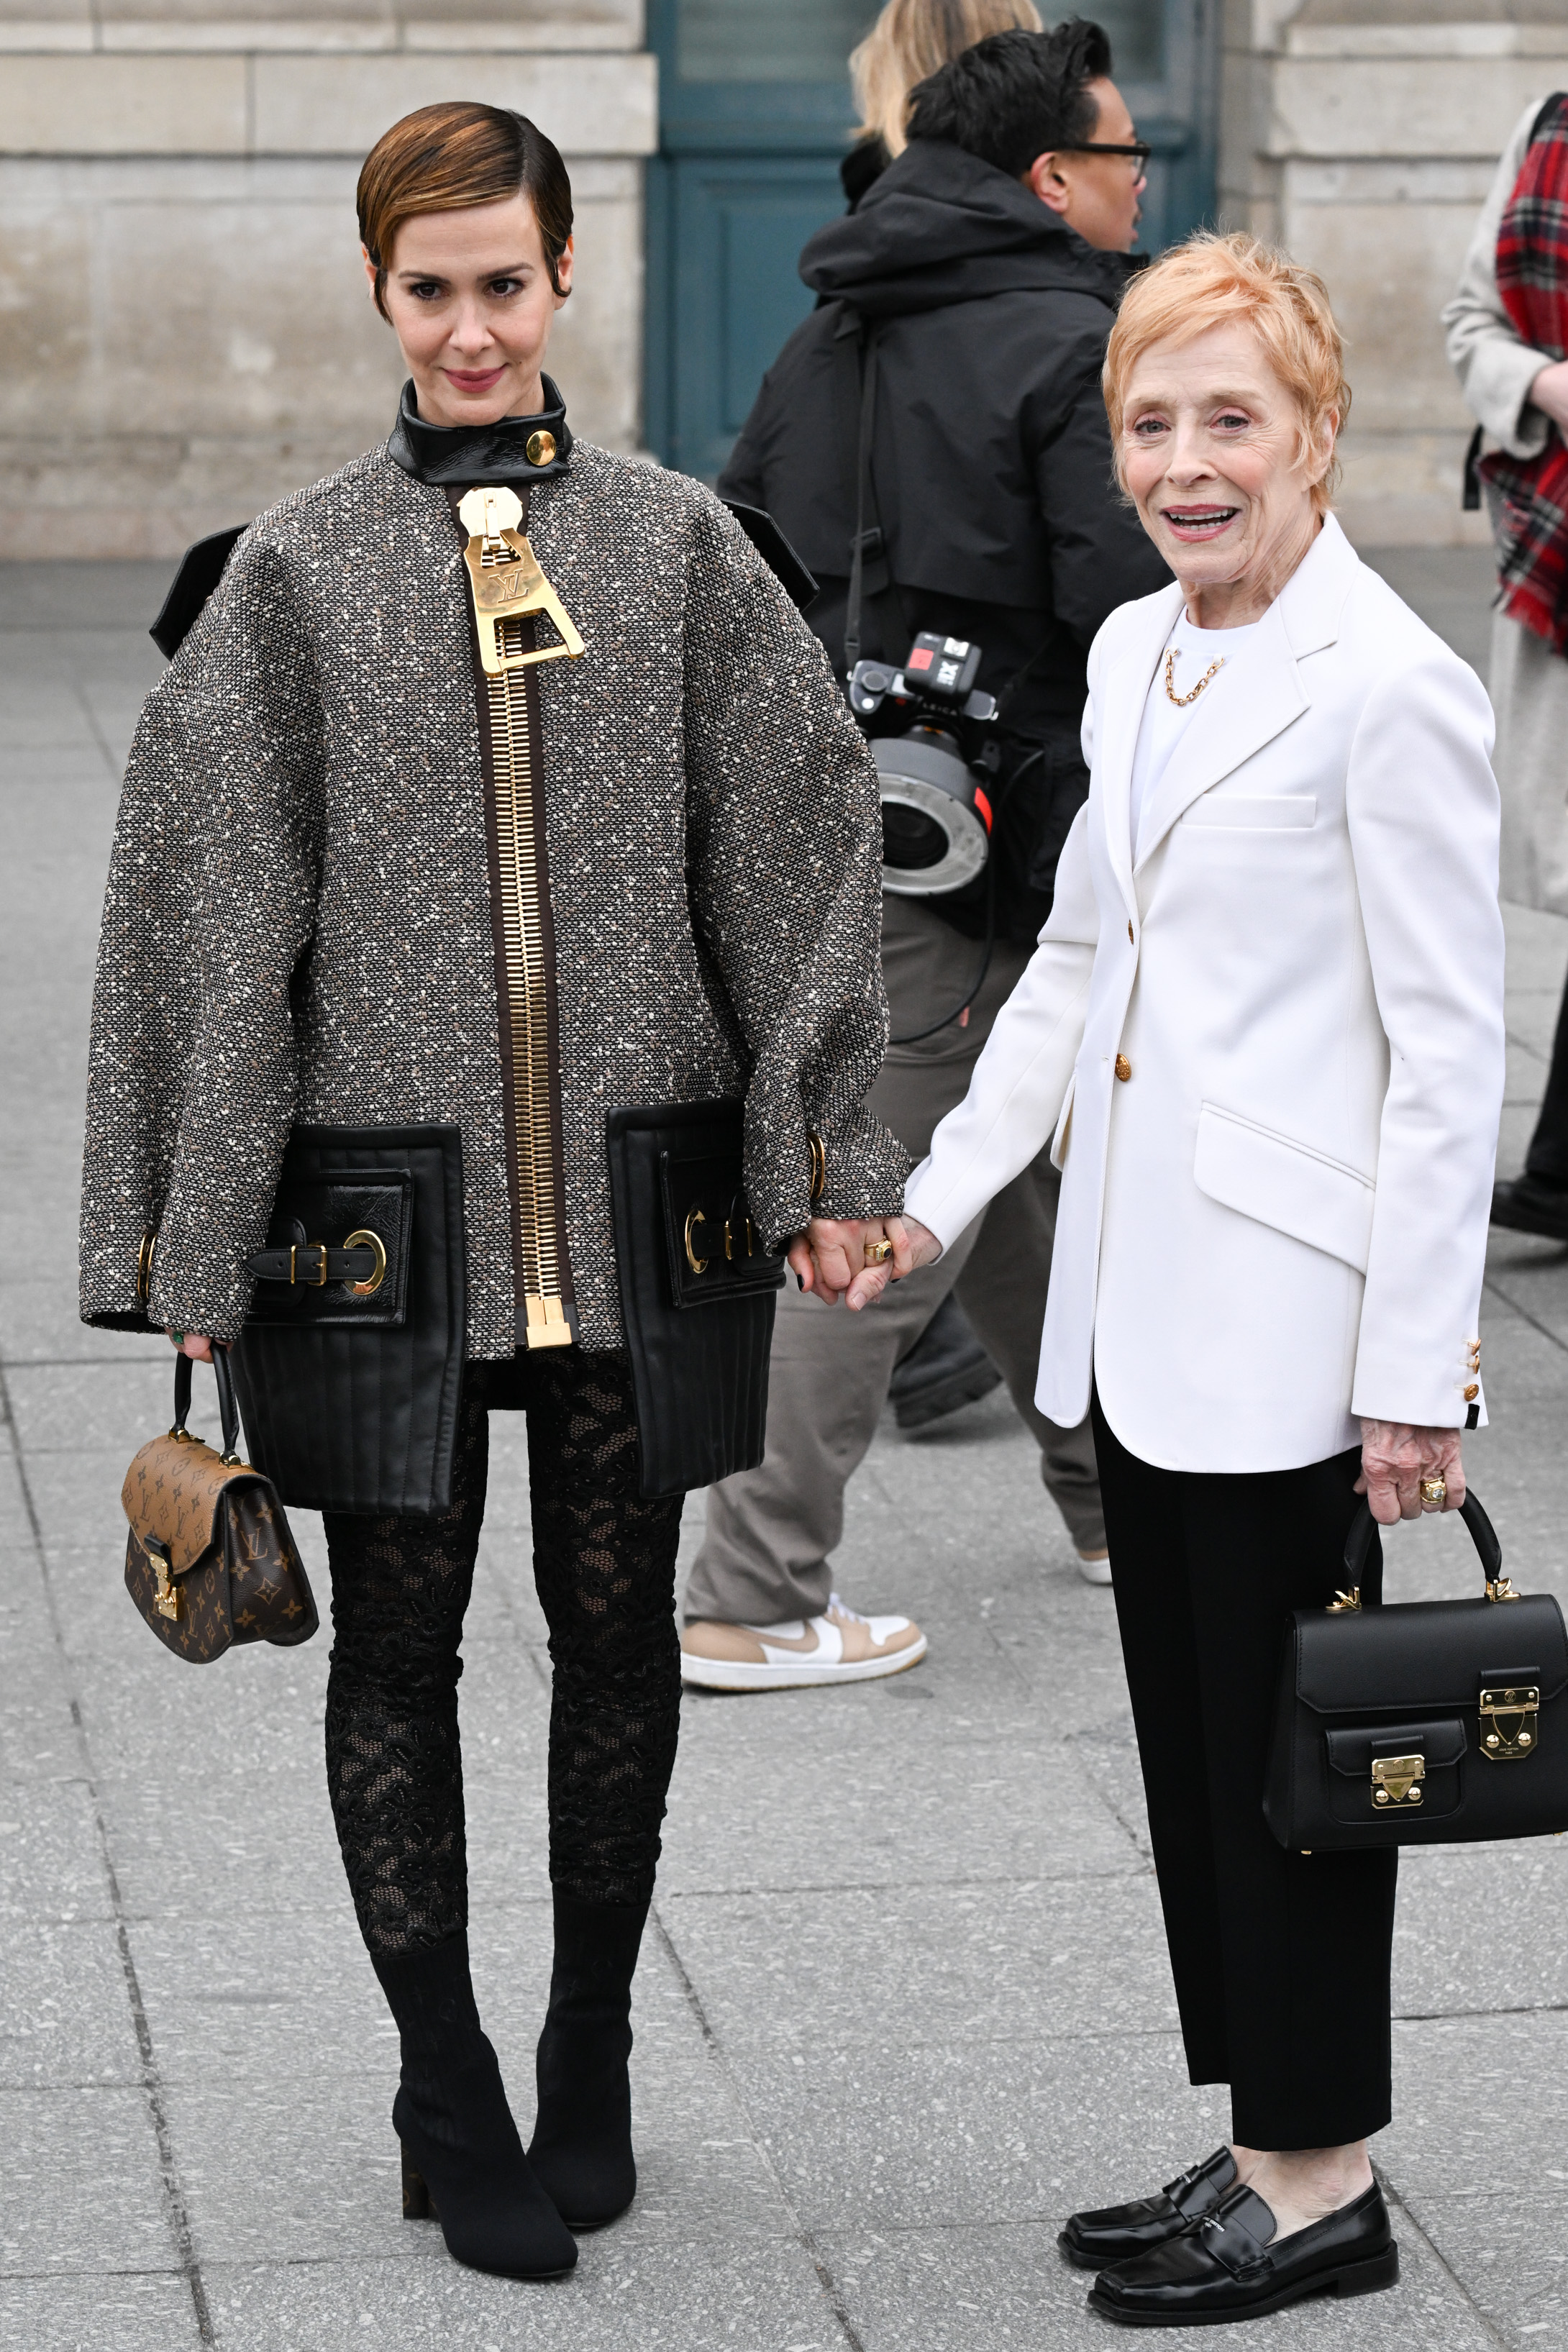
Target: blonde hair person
pixel 1263 1033
pixel 910 41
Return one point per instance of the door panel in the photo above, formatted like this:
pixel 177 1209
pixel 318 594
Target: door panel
pixel 756 115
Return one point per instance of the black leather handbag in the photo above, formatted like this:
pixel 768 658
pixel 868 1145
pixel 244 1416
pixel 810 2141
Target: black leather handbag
pixel 698 1292
pixel 1429 1723
pixel 350 1364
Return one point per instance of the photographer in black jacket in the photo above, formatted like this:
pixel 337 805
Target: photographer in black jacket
pixel 982 272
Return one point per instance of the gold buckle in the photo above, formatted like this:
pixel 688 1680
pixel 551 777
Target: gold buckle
pixel 510 588
pixel 1509 1722
pixel 308 1281
pixel 165 1595
pixel 1395 1780
pixel 373 1282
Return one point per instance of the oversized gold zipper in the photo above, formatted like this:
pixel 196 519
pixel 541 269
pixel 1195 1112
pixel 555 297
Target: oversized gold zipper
pixel 507 586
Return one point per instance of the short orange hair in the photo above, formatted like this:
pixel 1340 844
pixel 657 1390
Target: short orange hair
pixel 1212 279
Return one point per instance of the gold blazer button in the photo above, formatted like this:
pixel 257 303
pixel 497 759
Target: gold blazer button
pixel 539 449
pixel 1123 1066
pixel 1471 1394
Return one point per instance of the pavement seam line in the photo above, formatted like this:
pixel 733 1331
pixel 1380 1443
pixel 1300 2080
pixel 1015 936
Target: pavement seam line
pixel 110 761
pixel 1492 2334
pixel 176 2210
pixel 804 2236
pixel 1491 1283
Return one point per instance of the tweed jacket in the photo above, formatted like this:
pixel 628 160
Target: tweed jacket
pixel 297 925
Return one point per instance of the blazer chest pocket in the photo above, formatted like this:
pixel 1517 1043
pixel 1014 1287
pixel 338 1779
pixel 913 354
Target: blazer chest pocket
pixel 1279 812
pixel 1285 1184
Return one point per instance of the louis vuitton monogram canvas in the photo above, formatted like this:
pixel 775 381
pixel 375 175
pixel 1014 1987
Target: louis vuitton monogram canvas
pixel 210 1559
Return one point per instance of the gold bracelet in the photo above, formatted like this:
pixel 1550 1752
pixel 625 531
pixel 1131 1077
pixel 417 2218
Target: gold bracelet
pixel 819 1151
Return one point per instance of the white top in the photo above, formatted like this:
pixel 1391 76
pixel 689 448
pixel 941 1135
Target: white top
pixel 1165 721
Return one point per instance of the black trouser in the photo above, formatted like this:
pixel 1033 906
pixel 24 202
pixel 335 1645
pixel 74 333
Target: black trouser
pixel 1547 1158
pixel 1281 1960
pixel 604 1561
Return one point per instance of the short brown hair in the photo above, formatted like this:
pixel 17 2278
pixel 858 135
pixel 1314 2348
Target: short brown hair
pixel 1212 279
pixel 442 159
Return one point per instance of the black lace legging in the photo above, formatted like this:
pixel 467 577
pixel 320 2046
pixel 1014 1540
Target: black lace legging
pixel 604 1561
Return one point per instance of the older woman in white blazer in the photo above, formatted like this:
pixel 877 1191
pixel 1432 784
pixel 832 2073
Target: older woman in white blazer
pixel 1264 1027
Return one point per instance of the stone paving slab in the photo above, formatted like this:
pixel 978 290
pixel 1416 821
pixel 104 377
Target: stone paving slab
pixel 904 2002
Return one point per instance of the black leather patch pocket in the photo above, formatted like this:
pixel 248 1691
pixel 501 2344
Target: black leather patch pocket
pixel 1370 1774
pixel 330 1211
pixel 713 1249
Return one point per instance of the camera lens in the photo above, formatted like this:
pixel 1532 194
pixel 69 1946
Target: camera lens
pixel 910 839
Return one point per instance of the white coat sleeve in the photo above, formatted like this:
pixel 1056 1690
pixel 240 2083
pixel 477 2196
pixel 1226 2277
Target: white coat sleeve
pixel 1423 812
pixel 1021 1078
pixel 1494 365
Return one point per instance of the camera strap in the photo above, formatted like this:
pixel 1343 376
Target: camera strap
pixel 868 570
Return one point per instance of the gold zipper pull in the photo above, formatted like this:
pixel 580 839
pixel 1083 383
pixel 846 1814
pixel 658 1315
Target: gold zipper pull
pixel 507 583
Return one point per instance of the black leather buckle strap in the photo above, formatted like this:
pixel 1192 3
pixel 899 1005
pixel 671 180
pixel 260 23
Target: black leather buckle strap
pixel 313 1263
pixel 1236 2233
pixel 1199 2188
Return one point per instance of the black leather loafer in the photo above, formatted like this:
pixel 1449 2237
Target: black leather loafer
pixel 1223 2267
pixel 1114 2233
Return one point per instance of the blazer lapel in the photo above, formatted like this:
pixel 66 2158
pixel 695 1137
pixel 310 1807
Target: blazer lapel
pixel 1122 698
pixel 1235 716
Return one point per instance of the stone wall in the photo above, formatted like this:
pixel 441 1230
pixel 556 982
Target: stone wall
pixel 185 328
pixel 1364 134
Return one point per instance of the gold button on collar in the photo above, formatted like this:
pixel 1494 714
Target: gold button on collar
pixel 1123 1066
pixel 539 449
pixel 1129 939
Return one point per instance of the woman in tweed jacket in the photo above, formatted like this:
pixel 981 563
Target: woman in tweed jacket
pixel 308 922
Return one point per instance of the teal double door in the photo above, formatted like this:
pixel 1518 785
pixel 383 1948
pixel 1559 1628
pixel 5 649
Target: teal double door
pixel 754 116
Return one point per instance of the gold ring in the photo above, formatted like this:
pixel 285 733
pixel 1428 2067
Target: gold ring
pixel 1434 1492
pixel 879 1253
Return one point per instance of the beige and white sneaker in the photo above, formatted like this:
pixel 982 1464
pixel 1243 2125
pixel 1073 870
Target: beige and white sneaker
pixel 840 1647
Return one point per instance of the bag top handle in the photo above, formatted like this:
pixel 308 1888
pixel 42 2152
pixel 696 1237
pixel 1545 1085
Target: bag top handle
pixel 1360 1571
pixel 228 1407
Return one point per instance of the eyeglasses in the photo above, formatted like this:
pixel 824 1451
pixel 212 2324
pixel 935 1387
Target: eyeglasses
pixel 1140 149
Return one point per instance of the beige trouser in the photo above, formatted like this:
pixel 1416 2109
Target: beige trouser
pixel 764 1559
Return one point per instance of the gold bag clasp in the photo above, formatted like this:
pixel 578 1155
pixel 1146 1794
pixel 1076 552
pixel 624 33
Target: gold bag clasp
pixel 510 585
pixel 165 1593
pixel 1396 1779
pixel 1509 1721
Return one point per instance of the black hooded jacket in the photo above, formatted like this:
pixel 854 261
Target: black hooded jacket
pixel 991 462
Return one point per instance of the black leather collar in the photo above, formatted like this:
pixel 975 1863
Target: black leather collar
pixel 442 454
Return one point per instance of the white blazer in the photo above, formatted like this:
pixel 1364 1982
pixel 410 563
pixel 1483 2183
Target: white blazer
pixel 1278 1222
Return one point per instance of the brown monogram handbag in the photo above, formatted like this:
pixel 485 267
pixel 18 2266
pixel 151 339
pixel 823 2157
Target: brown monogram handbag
pixel 210 1561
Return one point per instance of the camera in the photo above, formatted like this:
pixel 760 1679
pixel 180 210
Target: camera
pixel 929 732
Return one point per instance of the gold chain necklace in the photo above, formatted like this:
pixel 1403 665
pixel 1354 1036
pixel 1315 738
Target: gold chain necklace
pixel 1182 700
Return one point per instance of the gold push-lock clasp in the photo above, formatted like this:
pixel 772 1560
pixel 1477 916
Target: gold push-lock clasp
pixel 510 585
pixel 1396 1779
pixel 166 1594
pixel 1509 1721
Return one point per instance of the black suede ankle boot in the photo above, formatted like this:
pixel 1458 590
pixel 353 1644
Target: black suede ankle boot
pixel 462 2158
pixel 581 2145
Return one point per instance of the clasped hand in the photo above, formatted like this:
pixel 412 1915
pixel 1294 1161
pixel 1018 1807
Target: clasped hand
pixel 830 1256
pixel 1395 1456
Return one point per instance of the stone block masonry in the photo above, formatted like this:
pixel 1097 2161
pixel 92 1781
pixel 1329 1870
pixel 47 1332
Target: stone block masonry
pixel 184 329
